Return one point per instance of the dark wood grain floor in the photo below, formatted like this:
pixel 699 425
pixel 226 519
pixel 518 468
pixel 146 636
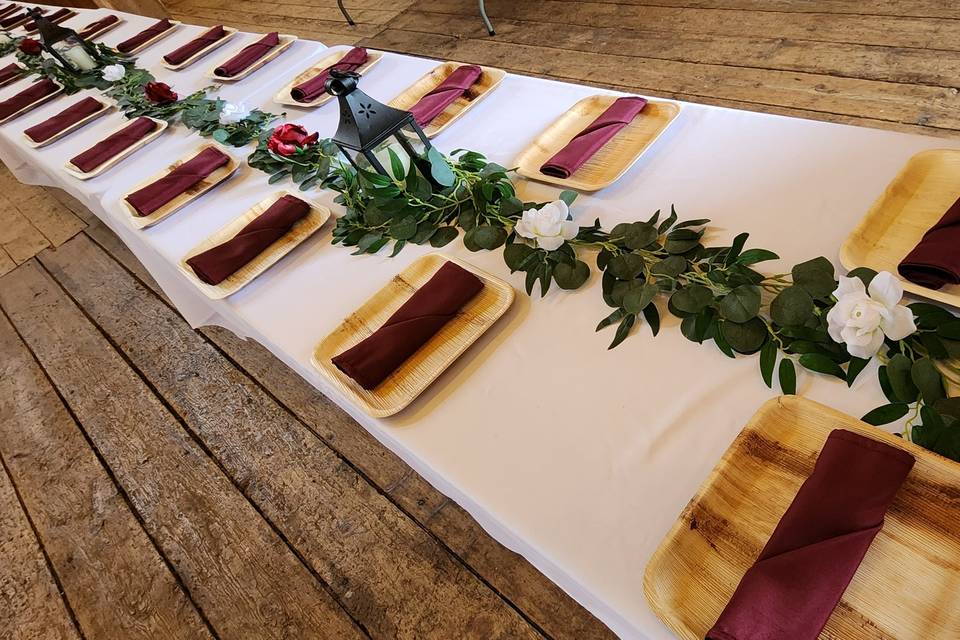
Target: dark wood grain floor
pixel 161 482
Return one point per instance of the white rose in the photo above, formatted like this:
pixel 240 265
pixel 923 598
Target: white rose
pixel 550 226
pixel 114 72
pixel 861 319
pixel 233 113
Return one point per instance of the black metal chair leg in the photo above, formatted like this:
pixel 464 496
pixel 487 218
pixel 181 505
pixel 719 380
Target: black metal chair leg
pixel 346 15
pixel 486 20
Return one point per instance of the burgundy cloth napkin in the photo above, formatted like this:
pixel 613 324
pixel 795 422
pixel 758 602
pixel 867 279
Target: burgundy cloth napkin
pixel 113 144
pixel 248 55
pixel 149 33
pixel 69 116
pixel 793 587
pixel 190 173
pixel 9 72
pixel 7 23
pixel 203 41
pixel 7 10
pixel 59 14
pixel 455 85
pixel 94 27
pixel 312 89
pixel 215 265
pixel 935 261
pixel 410 327
pixel 28 96
pixel 565 162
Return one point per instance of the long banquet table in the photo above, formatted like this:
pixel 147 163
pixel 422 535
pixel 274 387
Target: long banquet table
pixel 577 457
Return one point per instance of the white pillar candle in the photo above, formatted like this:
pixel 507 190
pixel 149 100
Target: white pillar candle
pixel 79 57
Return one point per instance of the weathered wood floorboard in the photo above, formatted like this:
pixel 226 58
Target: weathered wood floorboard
pixel 241 574
pixel 543 602
pixel 114 578
pixel 30 604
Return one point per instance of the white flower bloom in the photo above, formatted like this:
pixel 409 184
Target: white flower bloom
pixel 860 318
pixel 550 226
pixel 114 72
pixel 234 112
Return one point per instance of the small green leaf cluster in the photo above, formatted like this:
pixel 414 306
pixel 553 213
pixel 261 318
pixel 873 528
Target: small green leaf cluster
pixel 203 115
pixel 11 45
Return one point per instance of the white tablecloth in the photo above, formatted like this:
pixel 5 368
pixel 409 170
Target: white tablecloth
pixel 576 457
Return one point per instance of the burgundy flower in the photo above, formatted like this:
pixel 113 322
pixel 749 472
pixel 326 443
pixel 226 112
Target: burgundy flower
pixel 159 93
pixel 30 47
pixel 288 138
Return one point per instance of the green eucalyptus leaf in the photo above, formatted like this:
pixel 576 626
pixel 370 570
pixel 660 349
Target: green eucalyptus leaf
pixel 768 360
pixel 626 266
pixel 404 229
pixel 816 277
pixel 886 414
pixel 854 368
pixel 928 380
pixel 692 299
pixel 866 275
pixel 514 255
pixel 489 237
pixel 898 371
pixel 614 317
pixel 753 256
pixel 396 165
pixel 792 306
pixel 439 169
pixel 640 234
pixel 788 377
pixel 623 330
pixel 637 299
pixel 670 267
pixel 741 304
pixel 572 277
pixel 652 315
pixel 744 337
pixel 822 364
pixel 568 196
pixel 940 437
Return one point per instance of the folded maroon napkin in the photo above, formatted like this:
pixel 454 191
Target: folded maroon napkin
pixel 181 54
pixel 66 118
pixel 156 194
pixel 803 570
pixel 7 10
pixel 215 265
pixel 9 72
pixel 114 144
pixel 28 96
pixel 57 16
pixel 586 143
pixel 312 89
pixel 935 261
pixel 455 85
pixel 7 23
pixel 410 327
pixel 149 33
pixel 248 55
pixel 95 27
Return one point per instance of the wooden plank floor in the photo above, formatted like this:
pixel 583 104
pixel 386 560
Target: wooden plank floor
pixel 162 482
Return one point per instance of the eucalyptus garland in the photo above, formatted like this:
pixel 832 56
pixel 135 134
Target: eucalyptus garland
pixel 73 82
pixel 11 44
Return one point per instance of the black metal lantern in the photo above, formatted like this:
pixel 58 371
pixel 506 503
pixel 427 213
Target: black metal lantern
pixel 367 126
pixel 71 52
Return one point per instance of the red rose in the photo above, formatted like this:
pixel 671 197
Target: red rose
pixel 288 138
pixel 159 93
pixel 30 47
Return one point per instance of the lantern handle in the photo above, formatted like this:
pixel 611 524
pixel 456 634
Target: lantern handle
pixel 341 83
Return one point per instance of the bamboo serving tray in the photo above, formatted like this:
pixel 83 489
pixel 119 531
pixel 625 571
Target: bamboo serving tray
pixel 283 97
pixel 613 159
pixel 916 199
pixel 285 41
pixel 185 198
pixel 904 589
pixel 485 84
pixel 34 104
pixel 426 365
pixel 300 231
pixel 229 32
pixel 105 29
pixel 76 172
pixel 105 108
pixel 63 18
pixel 157 38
